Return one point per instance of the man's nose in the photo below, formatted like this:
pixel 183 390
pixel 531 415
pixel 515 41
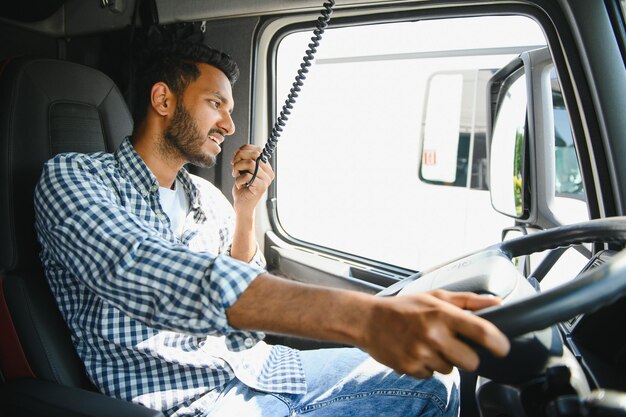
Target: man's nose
pixel 227 124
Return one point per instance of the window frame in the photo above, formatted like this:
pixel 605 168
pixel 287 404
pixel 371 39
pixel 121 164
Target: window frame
pixel 556 35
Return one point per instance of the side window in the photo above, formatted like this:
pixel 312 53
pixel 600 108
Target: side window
pixel 568 181
pixel 570 201
pixel 384 155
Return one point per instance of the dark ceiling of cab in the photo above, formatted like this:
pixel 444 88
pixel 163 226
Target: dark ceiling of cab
pixel 29 10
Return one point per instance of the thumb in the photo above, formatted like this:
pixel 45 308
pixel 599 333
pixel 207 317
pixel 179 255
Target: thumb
pixel 468 300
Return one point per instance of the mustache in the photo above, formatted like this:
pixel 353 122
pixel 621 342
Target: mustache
pixel 216 130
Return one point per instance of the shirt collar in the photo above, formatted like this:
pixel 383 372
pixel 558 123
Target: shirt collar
pixel 134 169
pixel 190 188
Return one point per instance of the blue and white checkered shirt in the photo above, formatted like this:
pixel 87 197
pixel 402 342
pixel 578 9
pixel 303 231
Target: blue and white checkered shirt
pixel 147 310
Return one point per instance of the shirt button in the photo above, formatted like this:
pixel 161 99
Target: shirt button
pixel 154 188
pixel 248 342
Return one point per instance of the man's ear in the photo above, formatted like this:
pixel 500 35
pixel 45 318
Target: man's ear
pixel 162 99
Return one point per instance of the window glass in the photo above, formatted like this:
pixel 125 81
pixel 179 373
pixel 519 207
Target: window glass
pixel 570 201
pixel 568 181
pixel 357 168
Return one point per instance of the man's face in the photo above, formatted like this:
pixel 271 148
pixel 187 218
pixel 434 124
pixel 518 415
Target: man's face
pixel 202 118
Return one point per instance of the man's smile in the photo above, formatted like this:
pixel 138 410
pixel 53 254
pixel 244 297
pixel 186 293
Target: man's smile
pixel 217 138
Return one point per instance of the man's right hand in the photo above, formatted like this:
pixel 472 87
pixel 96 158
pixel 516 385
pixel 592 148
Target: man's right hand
pixel 419 334
pixel 414 334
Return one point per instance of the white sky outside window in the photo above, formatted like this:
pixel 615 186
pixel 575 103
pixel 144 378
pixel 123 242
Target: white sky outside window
pixel 347 162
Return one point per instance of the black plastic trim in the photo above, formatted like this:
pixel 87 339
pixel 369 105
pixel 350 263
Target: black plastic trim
pixel 32 397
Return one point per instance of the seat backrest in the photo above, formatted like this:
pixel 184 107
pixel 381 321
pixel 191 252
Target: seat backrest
pixel 46 107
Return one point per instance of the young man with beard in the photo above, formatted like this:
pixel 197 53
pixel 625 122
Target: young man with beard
pixel 161 282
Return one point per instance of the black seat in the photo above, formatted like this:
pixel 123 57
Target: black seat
pixel 46 107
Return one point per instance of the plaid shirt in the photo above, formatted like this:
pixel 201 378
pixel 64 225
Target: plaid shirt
pixel 147 310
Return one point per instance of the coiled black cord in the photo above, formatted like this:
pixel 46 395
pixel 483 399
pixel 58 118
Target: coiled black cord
pixel 320 27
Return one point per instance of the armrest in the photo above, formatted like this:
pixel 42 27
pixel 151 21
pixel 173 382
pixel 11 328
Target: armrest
pixel 34 398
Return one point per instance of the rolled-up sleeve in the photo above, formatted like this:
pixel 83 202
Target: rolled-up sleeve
pixel 232 279
pixel 84 227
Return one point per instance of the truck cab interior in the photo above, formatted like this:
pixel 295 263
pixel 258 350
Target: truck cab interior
pixel 469 146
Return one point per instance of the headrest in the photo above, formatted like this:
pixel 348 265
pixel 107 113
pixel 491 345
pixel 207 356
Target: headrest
pixel 48 107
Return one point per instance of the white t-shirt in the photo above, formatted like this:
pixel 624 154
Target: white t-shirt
pixel 175 204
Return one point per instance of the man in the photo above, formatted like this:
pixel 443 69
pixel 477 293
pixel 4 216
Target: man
pixel 159 279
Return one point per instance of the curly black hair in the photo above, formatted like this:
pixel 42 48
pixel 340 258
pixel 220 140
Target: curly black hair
pixel 174 62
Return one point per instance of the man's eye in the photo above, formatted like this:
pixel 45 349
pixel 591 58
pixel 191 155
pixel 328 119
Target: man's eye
pixel 215 103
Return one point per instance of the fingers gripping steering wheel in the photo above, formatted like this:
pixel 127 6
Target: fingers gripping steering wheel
pixel 528 317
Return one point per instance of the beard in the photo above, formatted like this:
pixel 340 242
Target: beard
pixel 183 138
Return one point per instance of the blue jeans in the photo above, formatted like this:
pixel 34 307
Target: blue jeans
pixel 343 383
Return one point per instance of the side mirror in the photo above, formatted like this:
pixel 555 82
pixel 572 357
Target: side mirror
pixel 441 130
pixel 507 134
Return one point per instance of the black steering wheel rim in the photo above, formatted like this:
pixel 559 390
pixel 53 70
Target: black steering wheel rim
pixel 609 230
pixel 587 293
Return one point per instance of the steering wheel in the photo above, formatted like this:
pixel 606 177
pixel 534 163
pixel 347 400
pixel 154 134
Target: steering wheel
pixel 587 293
pixel 529 321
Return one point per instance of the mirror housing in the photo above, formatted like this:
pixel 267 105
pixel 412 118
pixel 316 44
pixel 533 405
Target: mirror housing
pixel 507 134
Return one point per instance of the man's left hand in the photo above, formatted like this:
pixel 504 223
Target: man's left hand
pixel 243 163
